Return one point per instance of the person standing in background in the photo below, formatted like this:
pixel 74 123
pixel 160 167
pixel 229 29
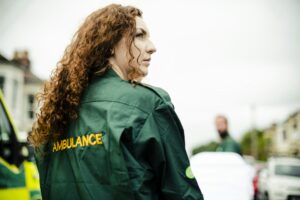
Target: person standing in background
pixel 228 144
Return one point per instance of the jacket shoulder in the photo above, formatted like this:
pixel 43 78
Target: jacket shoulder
pixel 142 96
pixel 159 92
pixel 148 95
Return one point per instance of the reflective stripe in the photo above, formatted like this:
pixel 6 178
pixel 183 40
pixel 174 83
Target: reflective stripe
pixel 11 167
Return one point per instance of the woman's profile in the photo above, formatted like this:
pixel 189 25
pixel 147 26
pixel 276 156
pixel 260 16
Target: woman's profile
pixel 100 132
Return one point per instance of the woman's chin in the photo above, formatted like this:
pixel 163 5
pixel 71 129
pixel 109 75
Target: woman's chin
pixel 144 70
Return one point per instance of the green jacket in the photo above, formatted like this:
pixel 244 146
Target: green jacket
pixel 229 145
pixel 127 143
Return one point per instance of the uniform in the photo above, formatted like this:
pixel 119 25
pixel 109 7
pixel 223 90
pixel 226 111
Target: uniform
pixel 127 143
pixel 229 145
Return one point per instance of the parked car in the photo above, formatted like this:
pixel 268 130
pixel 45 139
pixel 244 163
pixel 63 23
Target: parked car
pixel 18 173
pixel 280 180
pixel 259 167
pixel 262 184
pixel 222 175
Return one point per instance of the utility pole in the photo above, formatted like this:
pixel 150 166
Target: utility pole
pixel 253 131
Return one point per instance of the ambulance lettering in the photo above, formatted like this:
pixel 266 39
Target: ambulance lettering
pixel 90 139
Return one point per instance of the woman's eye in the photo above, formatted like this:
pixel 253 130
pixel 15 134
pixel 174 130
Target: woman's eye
pixel 139 35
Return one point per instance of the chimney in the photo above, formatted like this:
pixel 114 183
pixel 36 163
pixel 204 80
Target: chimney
pixel 22 59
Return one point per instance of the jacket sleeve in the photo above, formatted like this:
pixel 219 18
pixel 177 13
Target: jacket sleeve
pixel 162 139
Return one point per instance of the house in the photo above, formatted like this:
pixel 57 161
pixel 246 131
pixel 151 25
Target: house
pixel 19 86
pixel 292 133
pixel 270 139
pixel 284 138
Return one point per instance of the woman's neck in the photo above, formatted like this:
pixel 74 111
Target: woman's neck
pixel 118 70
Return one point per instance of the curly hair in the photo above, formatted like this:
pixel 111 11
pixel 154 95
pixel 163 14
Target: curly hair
pixel 86 56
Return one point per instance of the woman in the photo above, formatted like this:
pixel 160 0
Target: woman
pixel 101 134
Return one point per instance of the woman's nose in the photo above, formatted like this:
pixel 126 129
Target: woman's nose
pixel 151 48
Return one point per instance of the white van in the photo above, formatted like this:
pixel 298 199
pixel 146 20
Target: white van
pixel 223 175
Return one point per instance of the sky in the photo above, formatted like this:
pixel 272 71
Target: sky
pixel 240 58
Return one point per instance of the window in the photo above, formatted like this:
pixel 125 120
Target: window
pixel 284 135
pixel 296 132
pixel 287 170
pixel 7 137
pixel 2 81
pixel 295 125
pixel 15 94
pixel 31 106
pixel 5 128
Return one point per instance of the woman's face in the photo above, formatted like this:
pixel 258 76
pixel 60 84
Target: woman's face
pixel 142 48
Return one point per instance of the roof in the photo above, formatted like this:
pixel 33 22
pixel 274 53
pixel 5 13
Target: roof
pixel 3 59
pixel 29 77
pixel 292 116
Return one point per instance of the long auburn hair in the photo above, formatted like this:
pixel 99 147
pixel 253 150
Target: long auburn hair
pixel 86 56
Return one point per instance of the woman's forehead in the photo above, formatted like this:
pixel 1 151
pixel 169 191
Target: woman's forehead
pixel 140 24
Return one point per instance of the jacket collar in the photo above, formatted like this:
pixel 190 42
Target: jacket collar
pixel 111 73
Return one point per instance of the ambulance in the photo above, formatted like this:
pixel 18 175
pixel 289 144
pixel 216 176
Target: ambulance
pixel 18 173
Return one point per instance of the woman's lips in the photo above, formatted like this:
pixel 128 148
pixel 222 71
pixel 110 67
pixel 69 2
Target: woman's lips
pixel 147 61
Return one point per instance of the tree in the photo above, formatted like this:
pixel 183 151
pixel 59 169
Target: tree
pixel 261 144
pixel 211 146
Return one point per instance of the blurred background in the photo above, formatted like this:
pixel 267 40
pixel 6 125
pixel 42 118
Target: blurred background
pixel 239 58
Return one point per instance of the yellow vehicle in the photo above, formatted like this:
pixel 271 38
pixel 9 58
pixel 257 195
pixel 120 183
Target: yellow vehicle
pixel 18 173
